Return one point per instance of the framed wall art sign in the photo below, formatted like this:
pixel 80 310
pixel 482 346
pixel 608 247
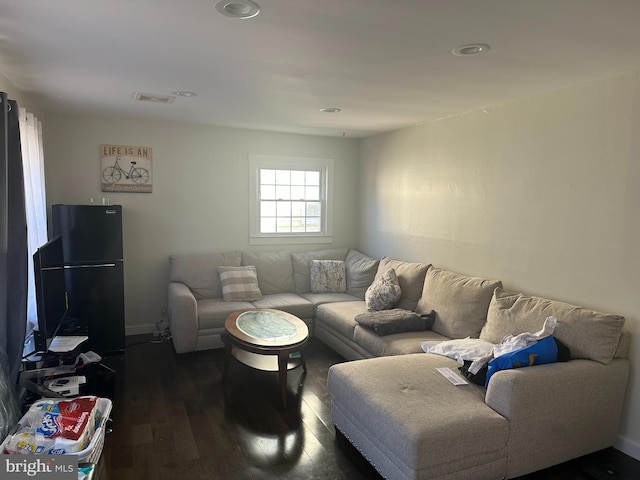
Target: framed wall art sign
pixel 126 168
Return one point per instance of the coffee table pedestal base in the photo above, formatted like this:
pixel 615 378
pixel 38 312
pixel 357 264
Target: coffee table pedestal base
pixel 265 360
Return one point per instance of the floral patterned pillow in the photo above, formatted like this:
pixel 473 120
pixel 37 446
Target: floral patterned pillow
pixel 384 292
pixel 328 276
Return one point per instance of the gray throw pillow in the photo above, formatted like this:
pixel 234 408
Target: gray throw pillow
pixel 384 292
pixel 396 320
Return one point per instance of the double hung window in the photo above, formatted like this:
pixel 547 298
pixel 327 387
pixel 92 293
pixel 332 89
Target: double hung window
pixel 290 199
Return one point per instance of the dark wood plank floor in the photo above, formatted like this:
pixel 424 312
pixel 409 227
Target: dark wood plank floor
pixel 173 419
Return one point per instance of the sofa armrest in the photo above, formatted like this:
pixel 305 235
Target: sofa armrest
pixel 183 317
pixel 558 411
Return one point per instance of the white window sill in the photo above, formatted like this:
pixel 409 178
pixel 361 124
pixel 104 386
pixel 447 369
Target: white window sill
pixel 290 240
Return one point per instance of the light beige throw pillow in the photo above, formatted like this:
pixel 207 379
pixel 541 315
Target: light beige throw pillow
pixel 239 284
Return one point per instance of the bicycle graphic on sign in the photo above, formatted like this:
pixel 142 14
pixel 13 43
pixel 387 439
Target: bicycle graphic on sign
pixel 114 173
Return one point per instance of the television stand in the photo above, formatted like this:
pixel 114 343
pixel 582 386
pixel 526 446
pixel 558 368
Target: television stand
pixel 31 380
pixel 100 378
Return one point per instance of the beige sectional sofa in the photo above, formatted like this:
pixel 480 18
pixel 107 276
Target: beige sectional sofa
pixel 391 403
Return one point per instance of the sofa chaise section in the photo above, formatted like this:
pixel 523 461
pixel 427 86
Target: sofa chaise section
pixel 410 422
pixel 551 413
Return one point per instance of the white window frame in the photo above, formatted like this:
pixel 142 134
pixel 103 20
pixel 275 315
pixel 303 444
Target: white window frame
pixel 324 166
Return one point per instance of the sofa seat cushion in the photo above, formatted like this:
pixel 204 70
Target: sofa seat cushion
pixel 212 312
pixel 340 316
pixel 587 333
pixel 319 298
pixel 395 344
pixel 415 416
pixel 287 302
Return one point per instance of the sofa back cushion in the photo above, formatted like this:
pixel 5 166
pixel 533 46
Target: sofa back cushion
pixel 411 279
pixel 360 270
pixel 200 272
pixel 588 334
pixel 460 302
pixel 302 265
pixel 275 271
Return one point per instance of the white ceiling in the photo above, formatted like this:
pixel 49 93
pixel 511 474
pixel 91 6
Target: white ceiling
pixel 386 64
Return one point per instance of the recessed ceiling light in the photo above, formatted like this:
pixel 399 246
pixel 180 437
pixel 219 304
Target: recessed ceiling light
pixel 238 8
pixel 470 49
pixel 184 93
pixel 150 97
pixel 331 110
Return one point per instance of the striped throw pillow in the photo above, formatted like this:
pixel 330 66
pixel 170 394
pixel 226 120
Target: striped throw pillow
pixel 239 284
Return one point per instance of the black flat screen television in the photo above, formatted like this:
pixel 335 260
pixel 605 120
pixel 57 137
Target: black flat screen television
pixel 51 292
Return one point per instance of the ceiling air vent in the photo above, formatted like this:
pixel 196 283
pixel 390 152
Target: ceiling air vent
pixel 148 97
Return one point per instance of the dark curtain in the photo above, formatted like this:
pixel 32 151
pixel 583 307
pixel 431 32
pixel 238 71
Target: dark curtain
pixel 13 240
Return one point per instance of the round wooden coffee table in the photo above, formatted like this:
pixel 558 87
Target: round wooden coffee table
pixel 265 339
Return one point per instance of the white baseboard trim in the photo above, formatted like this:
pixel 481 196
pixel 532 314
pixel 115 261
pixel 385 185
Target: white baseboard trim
pixel 628 447
pixel 140 329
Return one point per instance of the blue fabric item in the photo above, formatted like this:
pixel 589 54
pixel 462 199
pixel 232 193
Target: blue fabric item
pixel 543 351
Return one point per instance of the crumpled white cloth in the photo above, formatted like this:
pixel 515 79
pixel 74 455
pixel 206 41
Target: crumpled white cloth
pixel 463 349
pixel 511 343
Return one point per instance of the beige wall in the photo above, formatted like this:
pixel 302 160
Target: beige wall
pixel 543 193
pixel 200 192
